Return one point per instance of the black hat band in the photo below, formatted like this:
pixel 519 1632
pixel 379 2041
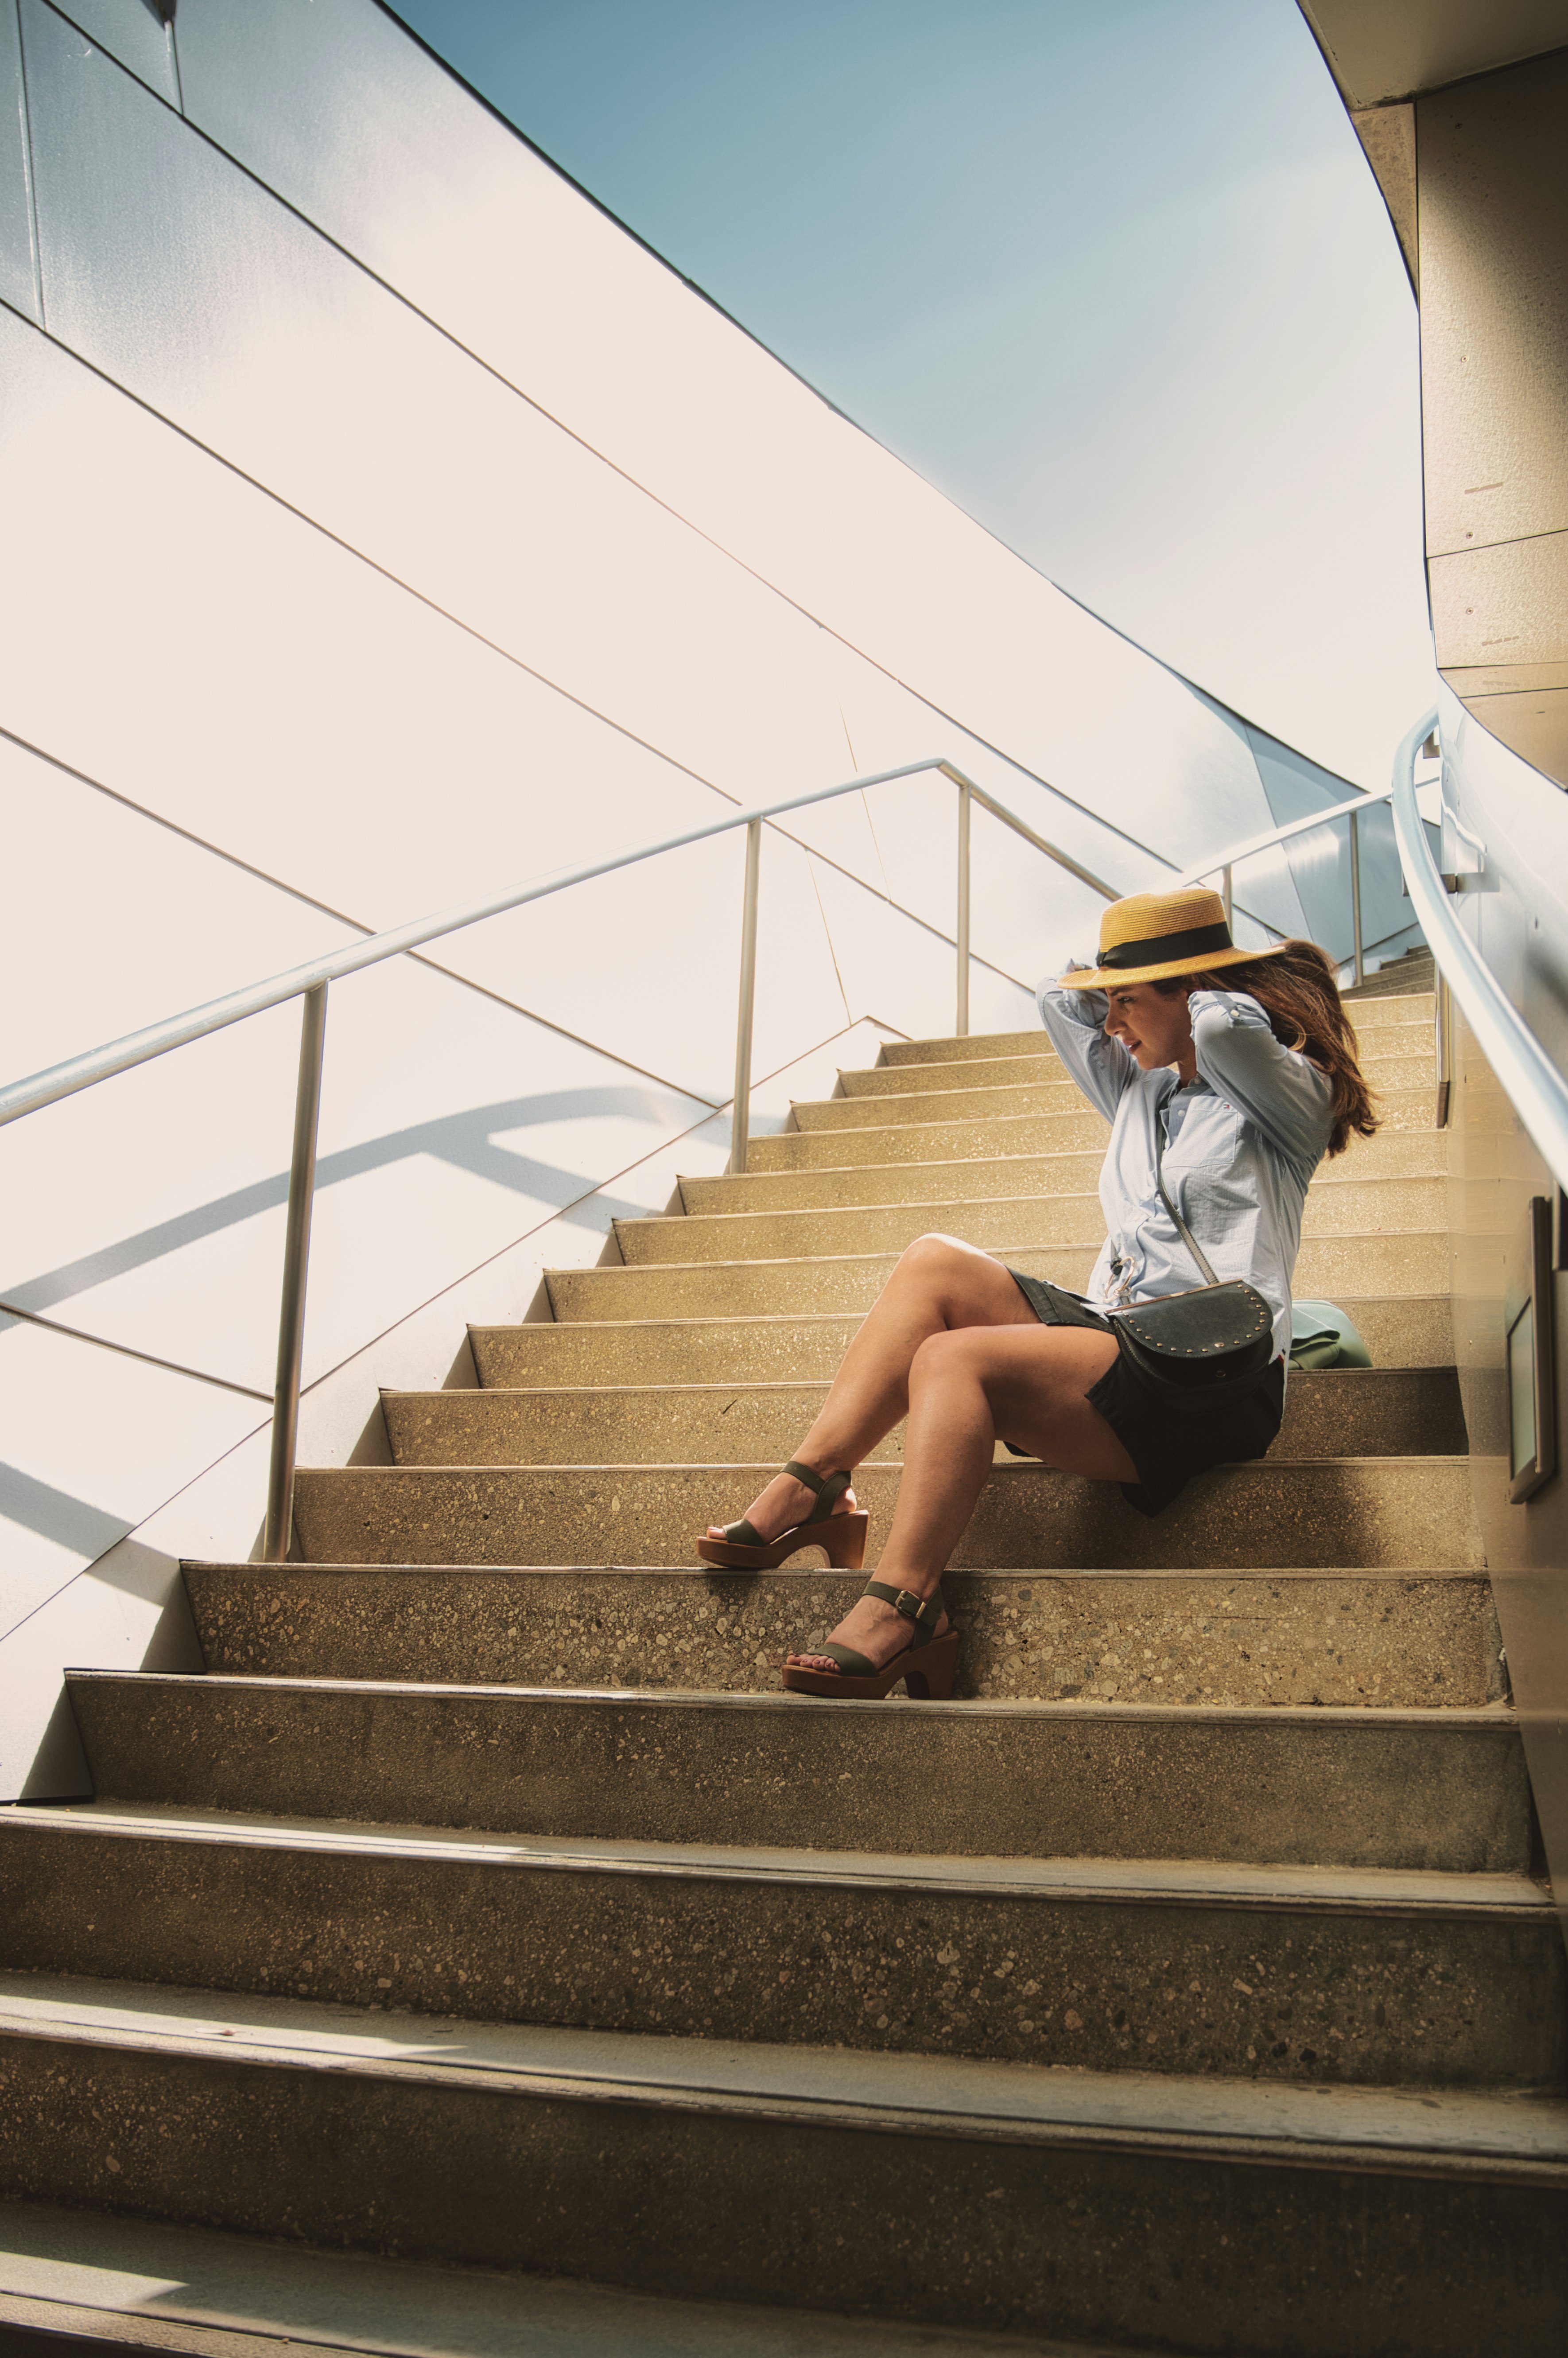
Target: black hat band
pixel 1161 948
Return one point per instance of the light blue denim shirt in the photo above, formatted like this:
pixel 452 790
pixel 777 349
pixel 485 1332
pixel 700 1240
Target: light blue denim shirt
pixel 1243 1140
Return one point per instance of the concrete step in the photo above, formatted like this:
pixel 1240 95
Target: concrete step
pixel 936 2188
pixel 1415 971
pixel 1197 1640
pixel 1370 1413
pixel 1392 1056
pixel 139 2284
pixel 1398 1080
pixel 1077 1129
pixel 1016 1069
pixel 1336 1976
pixel 1392 1154
pixel 1445 1790
pixel 1332 1267
pixel 1346 1207
pixel 1365 1512
pixel 1371 1014
pixel 1400 1331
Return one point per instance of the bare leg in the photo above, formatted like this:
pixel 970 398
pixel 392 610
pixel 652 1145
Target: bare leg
pixel 938 1285
pixel 967 1389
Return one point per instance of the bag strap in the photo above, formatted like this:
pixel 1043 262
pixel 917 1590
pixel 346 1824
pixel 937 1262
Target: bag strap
pixel 1187 1236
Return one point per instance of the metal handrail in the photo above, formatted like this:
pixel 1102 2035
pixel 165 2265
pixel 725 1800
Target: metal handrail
pixel 1227 860
pixel 310 982
pixel 1528 1077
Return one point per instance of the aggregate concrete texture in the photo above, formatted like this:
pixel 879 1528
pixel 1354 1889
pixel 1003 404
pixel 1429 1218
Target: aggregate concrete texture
pixel 1334 1267
pixel 1352 1412
pixel 1395 1642
pixel 142 2284
pixel 1303 1977
pixel 999 2224
pixel 1391 1154
pixel 1400 1332
pixel 1357 1513
pixel 1443 1791
pixel 1398 1081
pixel 1350 1207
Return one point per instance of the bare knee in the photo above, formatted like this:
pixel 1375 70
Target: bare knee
pixel 955 1279
pixel 935 1257
pixel 955 1355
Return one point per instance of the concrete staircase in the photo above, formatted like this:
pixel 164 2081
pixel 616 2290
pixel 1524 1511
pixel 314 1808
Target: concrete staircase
pixel 1185 1987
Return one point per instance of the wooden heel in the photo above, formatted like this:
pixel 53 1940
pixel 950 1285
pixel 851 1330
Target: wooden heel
pixel 933 1681
pixel 841 1538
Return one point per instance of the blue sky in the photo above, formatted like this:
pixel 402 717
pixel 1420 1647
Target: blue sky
pixel 1111 273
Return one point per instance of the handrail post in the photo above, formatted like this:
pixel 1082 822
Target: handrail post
pixel 962 1026
pixel 1229 903
pixel 740 1117
pixel 296 1262
pixel 1356 894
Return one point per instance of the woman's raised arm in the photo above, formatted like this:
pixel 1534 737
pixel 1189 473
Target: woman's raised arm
pixel 1076 1022
pixel 1239 1056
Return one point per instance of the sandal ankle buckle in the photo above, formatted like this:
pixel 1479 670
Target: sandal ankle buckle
pixel 912 1606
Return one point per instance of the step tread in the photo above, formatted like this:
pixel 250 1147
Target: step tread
pixel 1465 2130
pixel 120 2281
pixel 1486 1717
pixel 1257 1887
pixel 512 1392
pixel 816 1261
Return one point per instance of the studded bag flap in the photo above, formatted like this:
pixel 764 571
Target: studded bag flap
pixel 1200 1349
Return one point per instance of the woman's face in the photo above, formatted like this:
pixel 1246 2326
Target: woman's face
pixel 1153 1028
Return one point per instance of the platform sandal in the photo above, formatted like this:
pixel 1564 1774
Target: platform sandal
pixel 841 1537
pixel 925 1665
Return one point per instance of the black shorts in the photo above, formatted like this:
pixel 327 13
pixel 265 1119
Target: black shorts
pixel 1166 1448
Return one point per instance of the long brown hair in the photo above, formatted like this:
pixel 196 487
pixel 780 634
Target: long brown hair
pixel 1298 990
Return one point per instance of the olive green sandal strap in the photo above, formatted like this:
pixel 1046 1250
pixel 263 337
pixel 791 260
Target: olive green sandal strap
pixel 925 1612
pixel 829 1488
pixel 853 1665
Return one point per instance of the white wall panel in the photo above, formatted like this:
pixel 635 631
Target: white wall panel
pixel 351 121
pixel 179 637
pixel 17 283
pixel 127 920
pixel 93 1442
pixel 133 32
pixel 151 1208
pixel 196 289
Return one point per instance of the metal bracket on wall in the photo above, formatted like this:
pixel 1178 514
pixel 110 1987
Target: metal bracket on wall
pixel 1529 1352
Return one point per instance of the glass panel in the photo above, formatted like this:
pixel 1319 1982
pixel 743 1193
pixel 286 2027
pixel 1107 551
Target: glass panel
pixel 17 284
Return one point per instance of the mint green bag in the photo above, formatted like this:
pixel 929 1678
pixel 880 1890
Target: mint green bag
pixel 1322 1336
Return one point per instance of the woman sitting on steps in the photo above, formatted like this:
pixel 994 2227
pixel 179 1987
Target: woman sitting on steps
pixel 1241 1068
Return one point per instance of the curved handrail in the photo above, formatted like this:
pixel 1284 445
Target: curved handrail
pixel 63 1080
pixel 1528 1077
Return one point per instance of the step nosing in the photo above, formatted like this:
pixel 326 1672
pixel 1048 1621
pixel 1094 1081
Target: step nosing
pixel 1020 1245
pixel 1516 2134
pixel 1467 1719
pixel 1425 1895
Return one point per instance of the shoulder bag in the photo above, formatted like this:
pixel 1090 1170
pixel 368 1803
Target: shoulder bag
pixel 1201 1349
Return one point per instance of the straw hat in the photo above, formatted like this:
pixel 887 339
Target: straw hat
pixel 1154 936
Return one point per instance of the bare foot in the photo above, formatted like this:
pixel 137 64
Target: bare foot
pixel 872 1628
pixel 785 1502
